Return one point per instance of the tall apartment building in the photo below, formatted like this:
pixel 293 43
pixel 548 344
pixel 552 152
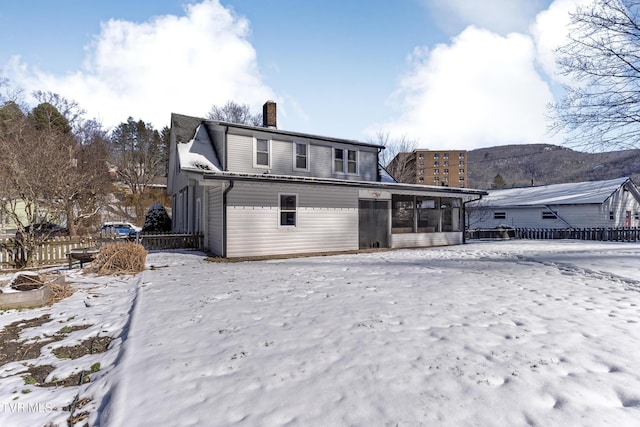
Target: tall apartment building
pixel 431 167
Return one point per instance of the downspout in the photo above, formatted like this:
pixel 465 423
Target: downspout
pixel 224 198
pixel 224 218
pixel 464 218
pixel 378 165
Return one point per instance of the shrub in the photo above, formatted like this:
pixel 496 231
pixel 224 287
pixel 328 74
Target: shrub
pixel 120 258
pixel 156 219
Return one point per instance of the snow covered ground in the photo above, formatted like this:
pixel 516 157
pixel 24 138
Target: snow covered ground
pixel 489 333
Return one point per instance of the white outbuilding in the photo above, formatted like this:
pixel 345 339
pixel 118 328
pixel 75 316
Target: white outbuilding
pixel 608 204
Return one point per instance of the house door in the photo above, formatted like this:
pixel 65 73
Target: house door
pixel 373 224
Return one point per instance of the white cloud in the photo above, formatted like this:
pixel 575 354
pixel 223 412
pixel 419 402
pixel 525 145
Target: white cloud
pixel 183 64
pixel 500 16
pixel 481 90
pixel 550 31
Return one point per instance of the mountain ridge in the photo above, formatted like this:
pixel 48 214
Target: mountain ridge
pixel 544 164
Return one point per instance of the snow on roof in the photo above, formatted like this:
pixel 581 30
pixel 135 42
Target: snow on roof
pixel 198 153
pixel 385 176
pixel 557 194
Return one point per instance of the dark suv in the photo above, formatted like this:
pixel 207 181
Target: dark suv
pixel 44 229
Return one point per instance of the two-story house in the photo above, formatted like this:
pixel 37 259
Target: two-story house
pixel 256 191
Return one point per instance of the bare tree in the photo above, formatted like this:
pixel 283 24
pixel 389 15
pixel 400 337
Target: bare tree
pixel 233 112
pixel 46 174
pixel 138 152
pixel 601 107
pixel 397 157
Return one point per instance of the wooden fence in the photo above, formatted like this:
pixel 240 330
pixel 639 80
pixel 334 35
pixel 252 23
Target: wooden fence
pixel 54 251
pixel 622 234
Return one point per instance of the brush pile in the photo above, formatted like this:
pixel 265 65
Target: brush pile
pixel 119 258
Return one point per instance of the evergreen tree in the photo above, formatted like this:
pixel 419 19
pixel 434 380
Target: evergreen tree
pixel 156 219
pixel 498 182
pixel 46 117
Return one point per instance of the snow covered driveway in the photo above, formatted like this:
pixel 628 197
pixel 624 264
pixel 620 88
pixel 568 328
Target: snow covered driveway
pixel 489 333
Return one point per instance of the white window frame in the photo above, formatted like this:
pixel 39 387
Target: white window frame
pixel 346 161
pixel 295 156
pixel 255 153
pixel 335 151
pixel 281 211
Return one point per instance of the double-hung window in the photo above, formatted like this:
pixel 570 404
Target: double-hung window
pixel 352 161
pixel 338 160
pixel 288 210
pixel 301 159
pixel 345 161
pixel 262 153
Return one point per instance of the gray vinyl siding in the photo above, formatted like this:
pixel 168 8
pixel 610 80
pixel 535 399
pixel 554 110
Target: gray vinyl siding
pixel 214 221
pixel 327 220
pixel 320 157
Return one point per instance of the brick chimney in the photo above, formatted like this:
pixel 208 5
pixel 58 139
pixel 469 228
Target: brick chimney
pixel 269 115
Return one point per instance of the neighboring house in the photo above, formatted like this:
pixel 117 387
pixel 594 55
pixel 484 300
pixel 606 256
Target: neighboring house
pixel 611 203
pixel 431 167
pixel 256 191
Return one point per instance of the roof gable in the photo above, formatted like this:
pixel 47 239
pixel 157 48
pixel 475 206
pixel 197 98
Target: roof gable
pixel 198 153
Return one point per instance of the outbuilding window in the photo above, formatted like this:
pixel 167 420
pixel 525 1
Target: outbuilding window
pixel 549 215
pixel 499 215
pixel 288 210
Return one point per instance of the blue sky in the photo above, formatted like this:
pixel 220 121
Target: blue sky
pixel 443 73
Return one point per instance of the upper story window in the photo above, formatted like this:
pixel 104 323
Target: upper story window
pixel 436 171
pixel 461 171
pixel 461 163
pixel 436 163
pixel 436 155
pixel 338 160
pixel 461 155
pixel 301 157
pixel 345 161
pixel 421 155
pixel 262 153
pixel 352 161
pixel 445 155
pixel 446 163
